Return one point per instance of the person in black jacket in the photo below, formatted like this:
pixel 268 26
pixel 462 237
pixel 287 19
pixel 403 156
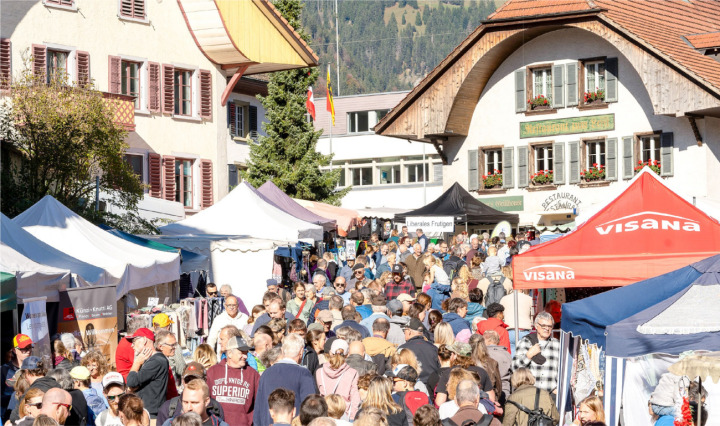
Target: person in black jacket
pixel 150 372
pixel 173 407
pixel 424 351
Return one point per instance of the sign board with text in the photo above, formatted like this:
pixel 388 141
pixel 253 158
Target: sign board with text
pixel 512 203
pixel 431 224
pixel 566 126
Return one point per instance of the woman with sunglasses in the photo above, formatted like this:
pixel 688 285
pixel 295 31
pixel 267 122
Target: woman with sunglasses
pixel 31 403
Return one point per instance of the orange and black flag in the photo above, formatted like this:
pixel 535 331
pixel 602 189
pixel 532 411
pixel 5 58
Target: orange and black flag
pixel 330 103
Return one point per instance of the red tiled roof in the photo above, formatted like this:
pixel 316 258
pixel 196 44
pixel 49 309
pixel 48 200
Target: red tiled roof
pixel 704 41
pixel 522 8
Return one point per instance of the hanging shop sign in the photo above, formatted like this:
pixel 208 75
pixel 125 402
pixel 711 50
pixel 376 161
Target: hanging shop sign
pixel 566 126
pixel 512 203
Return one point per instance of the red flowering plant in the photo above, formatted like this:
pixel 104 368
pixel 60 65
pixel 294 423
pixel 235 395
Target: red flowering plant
pixel 686 415
pixel 542 177
pixel 538 101
pixel 492 180
pixel 597 95
pixel 596 172
pixel 653 164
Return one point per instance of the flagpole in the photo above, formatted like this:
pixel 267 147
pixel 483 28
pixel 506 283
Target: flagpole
pixel 337 48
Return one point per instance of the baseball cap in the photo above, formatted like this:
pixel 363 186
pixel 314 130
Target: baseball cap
pixel 194 368
pixel 11 381
pixel 238 343
pixel 142 332
pixel 415 325
pixel 358 266
pixel 395 306
pixel 351 257
pixel 378 300
pixel 112 378
pixel 30 363
pixel 315 326
pixel 80 372
pixel 460 348
pixel 405 298
pixel 324 316
pixel 337 345
pixel 271 281
pixel 22 341
pixel 404 372
pixel 162 320
pixel 397 269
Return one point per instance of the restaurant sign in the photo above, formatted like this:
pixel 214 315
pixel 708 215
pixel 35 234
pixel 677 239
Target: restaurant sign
pixel 513 203
pixel 566 126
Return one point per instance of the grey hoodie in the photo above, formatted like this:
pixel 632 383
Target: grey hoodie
pixel 396 336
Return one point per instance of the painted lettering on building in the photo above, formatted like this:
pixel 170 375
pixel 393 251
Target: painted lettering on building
pixel 561 201
pixel 566 126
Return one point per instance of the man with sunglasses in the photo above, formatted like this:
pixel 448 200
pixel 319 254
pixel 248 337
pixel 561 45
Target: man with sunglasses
pixel 174 407
pixel 22 348
pixel 56 404
pixel 113 388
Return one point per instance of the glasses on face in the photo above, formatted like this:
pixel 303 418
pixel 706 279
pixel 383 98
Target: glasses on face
pixel 359 271
pixel 67 406
pixel 170 345
pixel 25 350
pixel 212 293
pixel 545 326
pixel 231 306
pixel 37 405
pixel 340 285
pixel 114 397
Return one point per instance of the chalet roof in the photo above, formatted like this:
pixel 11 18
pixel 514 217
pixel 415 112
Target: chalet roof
pixel 526 8
pixel 704 41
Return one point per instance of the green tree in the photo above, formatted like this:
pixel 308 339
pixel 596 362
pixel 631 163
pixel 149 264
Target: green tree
pixel 287 154
pixel 56 139
pixel 418 20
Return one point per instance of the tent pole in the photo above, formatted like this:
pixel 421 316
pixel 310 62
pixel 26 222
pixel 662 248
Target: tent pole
pixel 517 317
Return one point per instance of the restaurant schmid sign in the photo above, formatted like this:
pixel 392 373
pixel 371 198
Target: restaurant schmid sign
pixel 566 126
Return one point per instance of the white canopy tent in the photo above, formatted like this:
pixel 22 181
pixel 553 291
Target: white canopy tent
pixel 244 263
pixel 33 279
pixel 131 266
pixel 36 250
pixel 244 213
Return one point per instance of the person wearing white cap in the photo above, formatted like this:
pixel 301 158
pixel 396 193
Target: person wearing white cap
pixel 113 388
pixel 336 377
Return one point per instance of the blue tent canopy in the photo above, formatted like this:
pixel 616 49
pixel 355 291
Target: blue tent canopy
pixel 589 318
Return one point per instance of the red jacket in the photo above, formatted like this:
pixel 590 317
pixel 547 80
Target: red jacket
pixel 124 357
pixel 500 327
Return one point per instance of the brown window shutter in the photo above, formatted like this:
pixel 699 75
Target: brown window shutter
pixel 232 114
pixel 114 74
pixel 139 9
pixel 39 65
pixel 126 8
pixel 206 173
pixel 169 177
pixel 155 169
pixel 5 64
pixel 154 86
pixel 206 94
pixel 168 89
pixel 83 68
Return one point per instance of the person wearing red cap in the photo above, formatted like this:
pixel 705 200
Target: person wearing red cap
pixel 22 348
pixel 125 354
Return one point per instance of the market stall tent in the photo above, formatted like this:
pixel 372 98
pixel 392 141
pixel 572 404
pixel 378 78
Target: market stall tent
pixel 8 291
pixel 130 266
pixel 345 218
pixel 646 231
pixel 32 279
pixel 274 195
pixel 243 212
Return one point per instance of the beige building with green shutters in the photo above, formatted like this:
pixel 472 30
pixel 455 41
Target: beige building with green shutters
pixel 548 112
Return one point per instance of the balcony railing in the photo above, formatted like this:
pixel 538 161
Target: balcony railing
pixel 124 109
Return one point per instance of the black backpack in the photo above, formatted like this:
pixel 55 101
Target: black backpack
pixel 485 420
pixel 536 416
pixel 495 290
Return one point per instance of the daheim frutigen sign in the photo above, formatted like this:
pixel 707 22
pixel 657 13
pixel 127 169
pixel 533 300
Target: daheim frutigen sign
pixel 567 126
pixel 431 223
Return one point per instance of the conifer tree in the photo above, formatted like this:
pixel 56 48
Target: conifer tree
pixel 287 154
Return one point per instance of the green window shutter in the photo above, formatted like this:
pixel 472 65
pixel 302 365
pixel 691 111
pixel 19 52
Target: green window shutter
pixel 574 166
pixel 508 170
pixel 611 164
pixel 559 163
pixel 611 80
pixel 628 162
pixel 558 86
pixel 522 166
pixel 666 154
pixel 473 177
pixel 571 73
pixel 520 98
pixel 232 176
pixel 437 172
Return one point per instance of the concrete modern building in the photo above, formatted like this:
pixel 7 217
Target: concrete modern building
pixel 548 108
pixel 388 172
pixel 175 70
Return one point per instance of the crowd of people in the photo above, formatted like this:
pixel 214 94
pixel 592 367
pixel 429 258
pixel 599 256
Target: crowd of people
pixel 406 333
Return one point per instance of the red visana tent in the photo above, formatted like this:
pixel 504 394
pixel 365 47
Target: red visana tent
pixel 646 231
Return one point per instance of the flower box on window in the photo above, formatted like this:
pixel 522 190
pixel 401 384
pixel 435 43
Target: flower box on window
pixel 493 180
pixel 653 164
pixel 594 173
pixel 598 96
pixel 542 177
pixel 539 102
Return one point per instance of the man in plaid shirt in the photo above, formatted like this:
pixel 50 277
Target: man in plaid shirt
pixel 398 286
pixel 540 353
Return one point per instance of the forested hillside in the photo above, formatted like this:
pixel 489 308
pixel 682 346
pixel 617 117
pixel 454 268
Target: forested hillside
pixel 388 45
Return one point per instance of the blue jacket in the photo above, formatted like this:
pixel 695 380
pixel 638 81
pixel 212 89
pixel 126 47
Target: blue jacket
pixel 283 374
pixel 457 322
pixel 474 310
pixel 355 326
pixel 364 310
pixel 368 322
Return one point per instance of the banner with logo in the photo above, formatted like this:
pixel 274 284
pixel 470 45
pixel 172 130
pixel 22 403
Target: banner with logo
pixel 33 323
pixel 90 313
pixel 430 224
pixel 350 248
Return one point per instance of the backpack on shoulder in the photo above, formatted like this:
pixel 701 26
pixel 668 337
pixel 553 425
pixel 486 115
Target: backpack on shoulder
pixel 536 416
pixel 485 420
pixel 411 401
pixel 495 290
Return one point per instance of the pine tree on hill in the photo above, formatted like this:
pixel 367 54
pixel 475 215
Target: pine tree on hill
pixel 418 21
pixel 287 154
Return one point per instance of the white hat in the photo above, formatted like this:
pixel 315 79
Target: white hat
pixel 112 378
pixel 337 345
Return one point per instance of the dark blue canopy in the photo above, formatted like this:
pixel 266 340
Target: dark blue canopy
pixel 590 317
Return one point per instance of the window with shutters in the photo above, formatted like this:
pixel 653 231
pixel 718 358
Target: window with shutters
pixel 136 162
pixel 594 160
pixel 57 65
pixel 597 82
pixel 542 82
pixel 182 88
pixel 5 64
pixel 130 80
pixel 61 4
pixel 541 164
pixel 490 165
pixel 184 182
pixel 133 9
pixel 538 88
pixel 238 126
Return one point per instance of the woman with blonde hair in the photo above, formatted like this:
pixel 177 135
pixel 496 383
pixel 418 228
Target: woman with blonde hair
pixel 98 366
pixel 590 410
pixel 205 355
pixel 407 357
pixel 336 409
pixel 437 274
pixel 481 358
pixel 31 403
pixel 525 393
pixel 336 377
pixel 459 289
pixel 63 356
pixel 379 396
pixel 444 334
pixel 448 408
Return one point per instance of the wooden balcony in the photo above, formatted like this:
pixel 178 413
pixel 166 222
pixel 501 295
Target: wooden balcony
pixel 124 109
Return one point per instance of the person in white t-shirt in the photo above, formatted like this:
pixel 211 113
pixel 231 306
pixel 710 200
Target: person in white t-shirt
pixel 525 320
pixel 113 388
